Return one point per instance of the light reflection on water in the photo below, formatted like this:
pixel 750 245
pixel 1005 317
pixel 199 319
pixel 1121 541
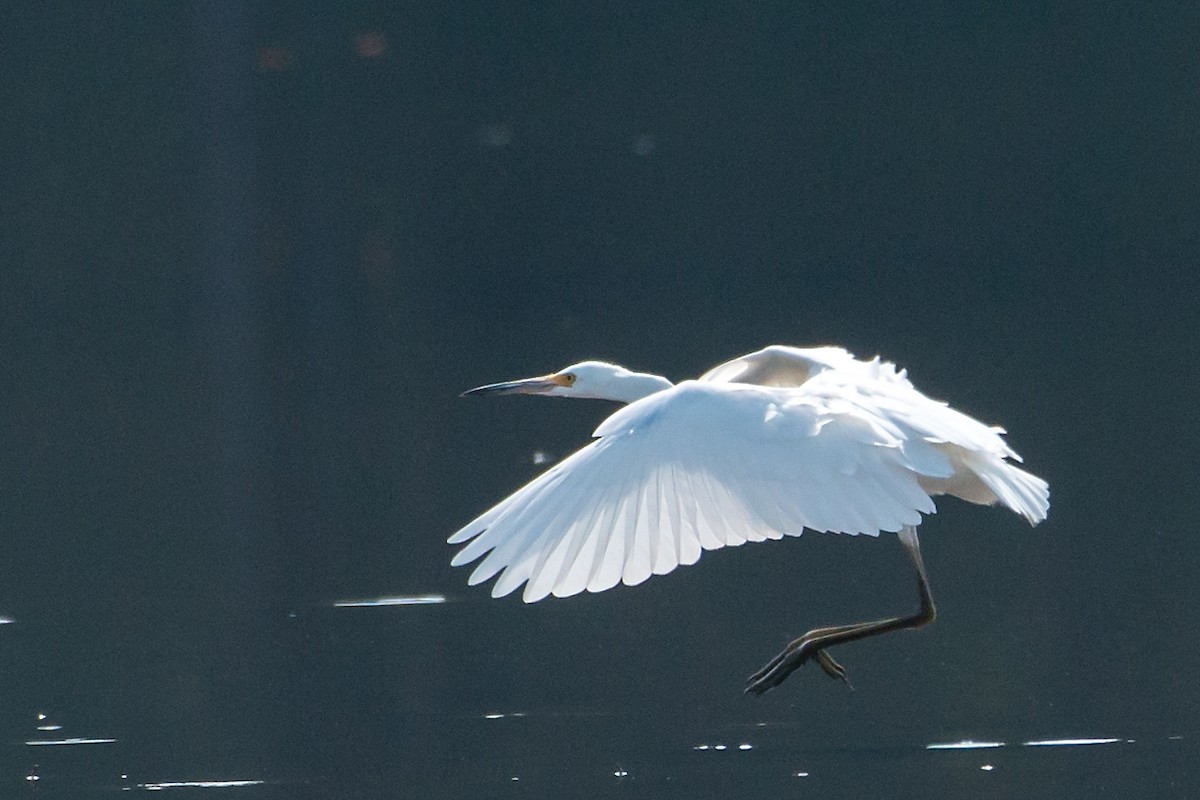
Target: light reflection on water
pixel 393 600
pixel 763 755
pixel 750 752
pixel 1073 742
pixel 969 744
pixel 574 751
pixel 225 784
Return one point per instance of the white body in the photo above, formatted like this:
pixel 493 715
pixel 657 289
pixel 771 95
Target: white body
pixel 764 446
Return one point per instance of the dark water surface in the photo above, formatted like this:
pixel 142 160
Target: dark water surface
pixel 251 255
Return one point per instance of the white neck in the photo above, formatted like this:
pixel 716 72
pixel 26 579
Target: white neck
pixel 634 386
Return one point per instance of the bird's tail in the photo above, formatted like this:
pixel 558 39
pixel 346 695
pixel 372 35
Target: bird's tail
pixel 1024 493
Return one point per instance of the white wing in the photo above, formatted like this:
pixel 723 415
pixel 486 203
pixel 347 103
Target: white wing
pixel 704 465
pixel 973 452
pixel 781 365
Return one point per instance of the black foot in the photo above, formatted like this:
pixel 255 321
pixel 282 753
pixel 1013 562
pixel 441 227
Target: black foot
pixel 792 658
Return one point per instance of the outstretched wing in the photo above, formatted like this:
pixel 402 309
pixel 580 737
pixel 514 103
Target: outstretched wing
pixel 702 466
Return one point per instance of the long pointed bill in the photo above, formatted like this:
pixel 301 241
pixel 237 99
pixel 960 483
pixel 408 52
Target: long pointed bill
pixel 539 385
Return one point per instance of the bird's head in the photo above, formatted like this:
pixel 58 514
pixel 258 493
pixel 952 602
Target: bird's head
pixel 589 379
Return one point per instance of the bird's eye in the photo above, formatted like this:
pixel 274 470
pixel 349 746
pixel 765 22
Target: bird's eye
pixel 569 378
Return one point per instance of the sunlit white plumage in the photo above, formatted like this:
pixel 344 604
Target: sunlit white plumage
pixel 767 445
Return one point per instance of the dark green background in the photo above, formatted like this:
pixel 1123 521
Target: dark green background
pixel 245 270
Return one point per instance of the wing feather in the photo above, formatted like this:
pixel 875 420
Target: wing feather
pixel 639 554
pixel 513 556
pixel 553 558
pixel 669 521
pixel 541 536
pixel 578 568
pixel 552 576
pixel 610 551
pixel 690 547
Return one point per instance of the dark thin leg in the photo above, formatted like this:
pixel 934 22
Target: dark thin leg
pixel 814 643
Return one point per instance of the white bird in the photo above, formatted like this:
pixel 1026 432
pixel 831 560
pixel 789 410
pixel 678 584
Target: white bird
pixel 765 446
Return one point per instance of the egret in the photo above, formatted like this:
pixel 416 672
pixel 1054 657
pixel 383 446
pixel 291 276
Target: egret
pixel 767 445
